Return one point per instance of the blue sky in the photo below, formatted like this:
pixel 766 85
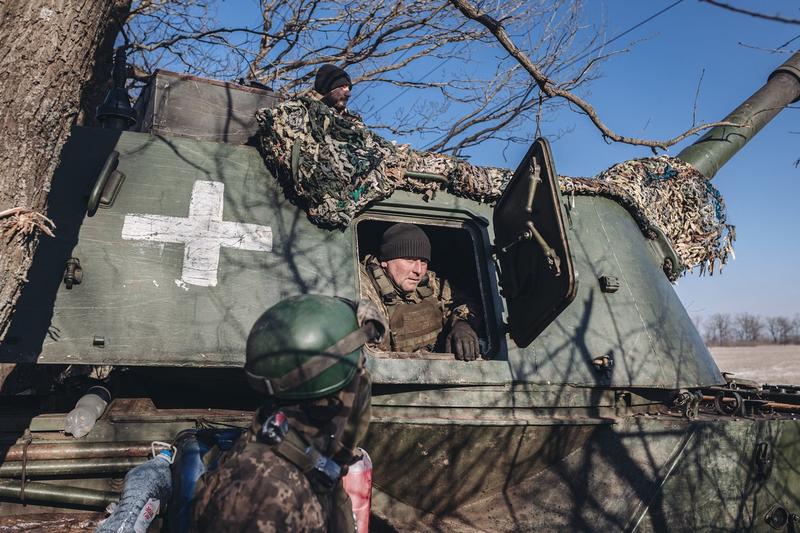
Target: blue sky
pixel 650 92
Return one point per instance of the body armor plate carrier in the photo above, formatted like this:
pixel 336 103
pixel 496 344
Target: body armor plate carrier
pixel 412 325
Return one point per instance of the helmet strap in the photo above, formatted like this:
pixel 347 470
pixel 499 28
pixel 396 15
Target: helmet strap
pixel 357 419
pixel 322 471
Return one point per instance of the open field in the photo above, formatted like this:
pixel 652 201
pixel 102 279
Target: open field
pixel 765 364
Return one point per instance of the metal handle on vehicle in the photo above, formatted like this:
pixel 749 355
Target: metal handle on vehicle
pixel 530 232
pixel 108 167
pixel 426 176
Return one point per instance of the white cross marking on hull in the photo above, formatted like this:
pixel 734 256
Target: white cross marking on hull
pixel 203 233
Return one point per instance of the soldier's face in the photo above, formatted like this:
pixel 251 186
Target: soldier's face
pixel 406 272
pixel 338 97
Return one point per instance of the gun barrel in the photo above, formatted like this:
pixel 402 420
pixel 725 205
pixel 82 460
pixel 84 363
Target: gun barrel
pixel 720 143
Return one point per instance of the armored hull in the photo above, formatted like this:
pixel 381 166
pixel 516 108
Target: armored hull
pixel 596 405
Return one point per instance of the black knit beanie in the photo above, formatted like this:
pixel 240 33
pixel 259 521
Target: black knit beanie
pixel 405 240
pixel 329 77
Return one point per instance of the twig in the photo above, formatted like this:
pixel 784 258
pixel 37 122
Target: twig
pixel 25 221
pixel 12 211
pixel 777 50
pixel 549 88
pixel 755 14
pixel 696 96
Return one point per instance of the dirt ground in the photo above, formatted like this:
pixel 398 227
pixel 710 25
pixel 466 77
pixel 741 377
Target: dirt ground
pixel 765 364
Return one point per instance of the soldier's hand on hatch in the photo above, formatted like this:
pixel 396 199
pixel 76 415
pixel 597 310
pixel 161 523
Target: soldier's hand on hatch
pixel 462 341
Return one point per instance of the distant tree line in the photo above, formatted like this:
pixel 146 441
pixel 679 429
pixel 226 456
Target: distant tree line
pixel 745 329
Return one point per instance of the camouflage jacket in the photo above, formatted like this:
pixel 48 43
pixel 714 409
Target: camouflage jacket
pixel 452 303
pixel 255 489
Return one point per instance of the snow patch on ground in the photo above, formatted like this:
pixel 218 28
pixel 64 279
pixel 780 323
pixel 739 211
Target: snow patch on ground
pixel 764 364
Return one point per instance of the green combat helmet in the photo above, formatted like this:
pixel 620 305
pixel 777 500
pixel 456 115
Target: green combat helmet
pixel 309 346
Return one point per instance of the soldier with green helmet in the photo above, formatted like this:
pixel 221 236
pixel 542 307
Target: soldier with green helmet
pixel 285 473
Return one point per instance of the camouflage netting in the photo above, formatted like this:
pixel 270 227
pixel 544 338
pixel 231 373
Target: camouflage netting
pixel 671 195
pixel 336 166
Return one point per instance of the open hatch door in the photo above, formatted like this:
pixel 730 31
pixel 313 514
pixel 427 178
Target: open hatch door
pixel 537 277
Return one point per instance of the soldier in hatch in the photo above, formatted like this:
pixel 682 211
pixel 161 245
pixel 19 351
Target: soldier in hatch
pixel 423 311
pixel 285 473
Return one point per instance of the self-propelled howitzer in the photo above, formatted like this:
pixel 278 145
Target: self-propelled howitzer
pixel 596 405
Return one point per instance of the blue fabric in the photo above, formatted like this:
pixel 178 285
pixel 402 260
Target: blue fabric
pixel 193 445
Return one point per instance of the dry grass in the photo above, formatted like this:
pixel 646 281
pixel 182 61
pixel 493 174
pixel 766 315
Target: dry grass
pixel 765 364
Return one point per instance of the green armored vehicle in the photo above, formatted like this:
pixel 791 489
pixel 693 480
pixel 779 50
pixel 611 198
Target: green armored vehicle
pixel 595 405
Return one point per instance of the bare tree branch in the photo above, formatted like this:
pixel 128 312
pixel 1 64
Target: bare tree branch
pixel 551 89
pixel 431 63
pixel 755 14
pixel 696 96
pixel 199 36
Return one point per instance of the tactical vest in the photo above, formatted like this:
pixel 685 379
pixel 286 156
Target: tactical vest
pixel 324 475
pixel 412 325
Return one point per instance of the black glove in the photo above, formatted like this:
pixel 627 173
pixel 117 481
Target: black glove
pixel 462 341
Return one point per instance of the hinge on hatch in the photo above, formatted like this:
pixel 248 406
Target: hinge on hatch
pixel 530 232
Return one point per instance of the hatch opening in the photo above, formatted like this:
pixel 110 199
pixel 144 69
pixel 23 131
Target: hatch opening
pixel 456 256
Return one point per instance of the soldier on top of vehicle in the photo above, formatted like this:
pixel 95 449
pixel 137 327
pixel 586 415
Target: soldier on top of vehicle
pixel 334 85
pixel 425 313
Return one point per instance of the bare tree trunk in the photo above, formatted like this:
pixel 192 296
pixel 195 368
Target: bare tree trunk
pixel 47 51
